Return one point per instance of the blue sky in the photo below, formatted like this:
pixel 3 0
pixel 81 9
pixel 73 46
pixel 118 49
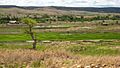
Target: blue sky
pixel 67 3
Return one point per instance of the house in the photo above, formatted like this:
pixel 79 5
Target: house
pixel 105 24
pixel 12 22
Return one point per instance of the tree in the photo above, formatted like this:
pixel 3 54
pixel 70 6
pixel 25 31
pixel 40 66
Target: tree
pixel 30 22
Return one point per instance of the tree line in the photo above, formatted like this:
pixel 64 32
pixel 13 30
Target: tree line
pixel 70 18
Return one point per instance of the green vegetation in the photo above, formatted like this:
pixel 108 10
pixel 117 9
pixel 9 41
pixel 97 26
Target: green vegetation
pixel 14 37
pixel 94 50
pixel 30 22
pixel 61 36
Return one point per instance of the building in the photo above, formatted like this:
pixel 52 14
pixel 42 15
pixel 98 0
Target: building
pixel 13 22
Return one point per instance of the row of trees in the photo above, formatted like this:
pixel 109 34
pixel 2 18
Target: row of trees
pixel 6 19
pixel 75 19
pixel 47 18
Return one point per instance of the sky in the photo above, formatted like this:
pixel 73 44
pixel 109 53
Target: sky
pixel 67 3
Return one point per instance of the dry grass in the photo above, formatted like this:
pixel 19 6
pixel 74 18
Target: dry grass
pixel 55 55
pixel 53 59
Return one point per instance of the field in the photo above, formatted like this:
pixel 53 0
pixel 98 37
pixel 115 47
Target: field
pixel 70 42
pixel 66 46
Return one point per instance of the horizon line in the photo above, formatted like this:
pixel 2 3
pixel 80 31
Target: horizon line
pixel 65 6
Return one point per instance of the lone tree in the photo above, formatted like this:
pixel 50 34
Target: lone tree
pixel 30 22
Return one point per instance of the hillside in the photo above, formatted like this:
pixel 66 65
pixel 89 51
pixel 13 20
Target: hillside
pixel 88 9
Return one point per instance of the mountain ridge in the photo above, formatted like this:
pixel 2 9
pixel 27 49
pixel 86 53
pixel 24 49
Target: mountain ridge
pixel 90 9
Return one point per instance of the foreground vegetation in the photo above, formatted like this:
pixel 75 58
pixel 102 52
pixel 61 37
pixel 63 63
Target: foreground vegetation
pixel 29 58
pixel 61 54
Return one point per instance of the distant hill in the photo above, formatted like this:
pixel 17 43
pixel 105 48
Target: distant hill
pixel 92 9
pixel 89 9
pixel 8 6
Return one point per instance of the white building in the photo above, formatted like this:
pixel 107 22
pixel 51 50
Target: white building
pixel 12 22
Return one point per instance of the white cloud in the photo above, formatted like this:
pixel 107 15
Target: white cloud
pixel 72 3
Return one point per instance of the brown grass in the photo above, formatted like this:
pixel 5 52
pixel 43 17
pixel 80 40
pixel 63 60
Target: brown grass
pixel 53 59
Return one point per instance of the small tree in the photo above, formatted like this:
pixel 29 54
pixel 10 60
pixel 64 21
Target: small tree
pixel 30 22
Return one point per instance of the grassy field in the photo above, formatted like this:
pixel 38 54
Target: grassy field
pixel 61 36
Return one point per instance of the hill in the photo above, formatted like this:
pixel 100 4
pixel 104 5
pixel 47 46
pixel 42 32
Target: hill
pixel 89 9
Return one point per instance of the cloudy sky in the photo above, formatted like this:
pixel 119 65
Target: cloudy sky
pixel 67 3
